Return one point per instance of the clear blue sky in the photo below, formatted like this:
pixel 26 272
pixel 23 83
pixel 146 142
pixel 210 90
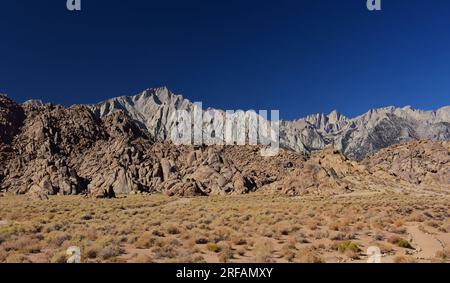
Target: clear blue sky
pixel 300 57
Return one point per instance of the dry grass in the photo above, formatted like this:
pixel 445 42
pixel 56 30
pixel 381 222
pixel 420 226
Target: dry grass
pixel 253 228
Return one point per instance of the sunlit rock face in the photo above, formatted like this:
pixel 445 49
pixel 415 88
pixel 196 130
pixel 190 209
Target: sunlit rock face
pixel 123 146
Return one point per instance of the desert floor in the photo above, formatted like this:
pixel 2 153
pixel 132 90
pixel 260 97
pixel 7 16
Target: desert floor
pixel 250 228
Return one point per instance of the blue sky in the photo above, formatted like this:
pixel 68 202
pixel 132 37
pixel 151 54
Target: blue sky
pixel 300 57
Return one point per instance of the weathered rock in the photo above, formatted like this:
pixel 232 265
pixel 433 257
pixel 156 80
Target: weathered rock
pixel 37 193
pixel 424 163
pixel 108 150
pixel 11 119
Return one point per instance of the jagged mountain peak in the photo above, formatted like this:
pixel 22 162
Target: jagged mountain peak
pixel 356 137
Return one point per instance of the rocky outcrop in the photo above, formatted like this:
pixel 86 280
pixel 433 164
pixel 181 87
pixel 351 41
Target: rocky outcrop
pixel 11 119
pixel 423 163
pixel 121 147
pixel 328 172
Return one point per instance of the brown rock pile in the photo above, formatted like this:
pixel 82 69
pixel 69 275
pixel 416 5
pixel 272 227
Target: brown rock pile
pixel 48 150
pixel 423 163
pixel 62 150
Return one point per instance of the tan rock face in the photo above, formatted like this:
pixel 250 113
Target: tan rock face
pixel 61 150
pixel 47 150
pixel 424 163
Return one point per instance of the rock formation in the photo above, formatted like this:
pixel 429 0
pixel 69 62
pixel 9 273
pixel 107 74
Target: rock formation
pixel 122 147
pixel 356 138
pixel 424 163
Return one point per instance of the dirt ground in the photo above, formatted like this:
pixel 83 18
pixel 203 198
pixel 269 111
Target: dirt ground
pixel 252 228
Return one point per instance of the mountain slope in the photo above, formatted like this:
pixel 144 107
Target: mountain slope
pixel 356 138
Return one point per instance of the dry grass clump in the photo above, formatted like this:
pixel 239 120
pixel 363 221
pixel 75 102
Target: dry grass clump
pixel 226 253
pixel 263 251
pixel 385 248
pixel 349 248
pixel 442 256
pixel 212 247
pixel 109 252
pixel 404 259
pixel 145 241
pixel 400 242
pixel 57 238
pixel 308 255
pixel 238 239
pixel 288 251
pixel 172 229
pixel 17 258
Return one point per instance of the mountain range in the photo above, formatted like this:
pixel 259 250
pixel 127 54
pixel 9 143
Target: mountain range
pixel 122 146
pixel 356 138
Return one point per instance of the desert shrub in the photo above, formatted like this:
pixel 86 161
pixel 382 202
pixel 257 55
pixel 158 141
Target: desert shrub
pixel 109 252
pixel 86 217
pixel 400 242
pixel 443 256
pixel 432 223
pixel 226 253
pixel 416 217
pixel 339 236
pixel 221 234
pixel 17 258
pixel 404 259
pixel 320 234
pixel 348 246
pixel 57 238
pixel 399 223
pixel 201 240
pixel 59 257
pixel 90 252
pixel 145 241
pixel 238 240
pixel 91 234
pixel 263 252
pixel 308 255
pixel 378 236
pixel 213 247
pixel 3 255
pixel 288 251
pixel 158 233
pixel 166 251
pixel 173 230
pixel 241 251
pixel 384 248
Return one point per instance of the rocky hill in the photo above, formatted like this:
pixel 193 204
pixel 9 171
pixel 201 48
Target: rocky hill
pixel 121 147
pixel 423 163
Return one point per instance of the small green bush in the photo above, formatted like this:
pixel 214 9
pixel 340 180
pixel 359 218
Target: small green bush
pixel 213 248
pixel 348 246
pixel 402 243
